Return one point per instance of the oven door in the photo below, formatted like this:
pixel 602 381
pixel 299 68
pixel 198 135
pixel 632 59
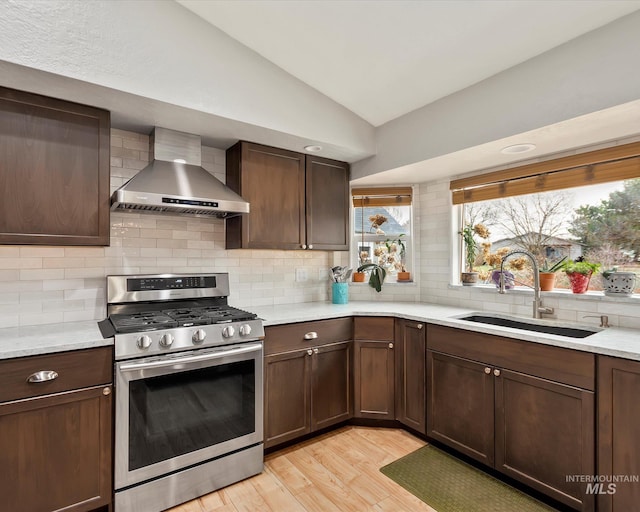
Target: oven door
pixel 178 410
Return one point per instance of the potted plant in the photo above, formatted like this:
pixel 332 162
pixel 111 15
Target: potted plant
pixel 618 284
pixel 376 274
pixel 579 273
pixel 396 248
pixel 547 274
pixel 468 232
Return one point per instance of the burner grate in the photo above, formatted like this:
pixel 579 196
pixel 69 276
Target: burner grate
pixel 147 321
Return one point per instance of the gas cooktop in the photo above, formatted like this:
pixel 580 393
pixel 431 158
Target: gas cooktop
pixel 158 314
pixel 180 317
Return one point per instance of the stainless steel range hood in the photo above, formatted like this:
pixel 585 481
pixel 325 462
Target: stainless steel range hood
pixel 174 182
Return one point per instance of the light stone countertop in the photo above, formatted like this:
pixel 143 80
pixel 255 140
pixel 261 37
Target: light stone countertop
pixel 50 338
pixel 612 341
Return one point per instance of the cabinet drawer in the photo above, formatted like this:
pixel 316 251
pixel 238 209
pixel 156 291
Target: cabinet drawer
pixel 78 369
pixel 373 328
pixel 283 338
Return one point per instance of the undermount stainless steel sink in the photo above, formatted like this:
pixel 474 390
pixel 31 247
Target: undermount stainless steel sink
pixel 503 321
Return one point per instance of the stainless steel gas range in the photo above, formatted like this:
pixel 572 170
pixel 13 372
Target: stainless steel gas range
pixel 188 379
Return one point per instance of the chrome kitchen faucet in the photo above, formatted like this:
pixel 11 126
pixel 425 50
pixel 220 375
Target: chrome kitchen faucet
pixel 538 308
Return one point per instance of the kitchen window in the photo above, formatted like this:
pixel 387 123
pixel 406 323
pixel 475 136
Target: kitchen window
pixel 382 233
pixel 585 205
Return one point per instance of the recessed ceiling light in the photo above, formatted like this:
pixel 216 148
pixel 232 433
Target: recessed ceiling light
pixel 518 148
pixel 313 149
pixel 180 160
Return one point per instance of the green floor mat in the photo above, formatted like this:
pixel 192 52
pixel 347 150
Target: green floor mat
pixel 450 485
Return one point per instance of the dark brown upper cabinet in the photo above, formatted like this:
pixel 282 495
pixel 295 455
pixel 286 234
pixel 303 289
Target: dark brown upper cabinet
pixel 54 171
pixel 296 201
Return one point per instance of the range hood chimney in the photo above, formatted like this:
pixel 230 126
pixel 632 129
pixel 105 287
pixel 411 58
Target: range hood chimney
pixel 174 182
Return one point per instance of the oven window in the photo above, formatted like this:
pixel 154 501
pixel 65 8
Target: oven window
pixel 171 415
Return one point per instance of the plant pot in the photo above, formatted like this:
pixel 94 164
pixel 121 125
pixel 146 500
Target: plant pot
pixel 340 293
pixel 618 284
pixel 547 281
pixel 469 278
pixel 358 277
pixel 404 276
pixel 509 279
pixel 579 282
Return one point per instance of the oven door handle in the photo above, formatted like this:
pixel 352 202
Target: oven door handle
pixel 167 362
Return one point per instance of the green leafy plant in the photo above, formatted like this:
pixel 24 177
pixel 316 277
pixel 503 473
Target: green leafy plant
pixel 607 273
pixel 580 266
pixel 376 275
pixel 471 245
pixel 558 265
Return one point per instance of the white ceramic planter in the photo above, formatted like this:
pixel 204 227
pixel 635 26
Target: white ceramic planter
pixel 618 284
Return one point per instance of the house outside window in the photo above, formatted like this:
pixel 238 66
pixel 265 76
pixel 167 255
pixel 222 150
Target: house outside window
pixel 382 229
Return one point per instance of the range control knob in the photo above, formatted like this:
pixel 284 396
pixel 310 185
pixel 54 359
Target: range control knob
pixel 228 331
pixel 198 336
pixel 245 330
pixel 143 342
pixel 166 340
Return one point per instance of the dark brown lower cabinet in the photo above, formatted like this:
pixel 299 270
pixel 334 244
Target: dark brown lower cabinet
pixel 545 434
pixel 618 432
pixel 331 400
pixel 460 405
pixel 537 431
pixel 373 376
pixel 55 452
pixel 287 395
pixel 410 354
pixel 306 390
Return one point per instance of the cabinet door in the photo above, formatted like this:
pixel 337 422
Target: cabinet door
pixel 460 405
pixel 331 385
pixel 273 181
pixel 55 452
pixel 544 433
pixel 327 187
pixel 54 171
pixel 411 375
pixel 373 379
pixel 618 432
pixel 287 396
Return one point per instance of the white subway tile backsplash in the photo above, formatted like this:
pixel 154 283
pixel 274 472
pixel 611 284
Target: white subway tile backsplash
pixel 62 262
pixel 41 275
pixel 15 263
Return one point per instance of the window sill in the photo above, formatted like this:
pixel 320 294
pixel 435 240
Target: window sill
pixel 559 294
pixel 388 283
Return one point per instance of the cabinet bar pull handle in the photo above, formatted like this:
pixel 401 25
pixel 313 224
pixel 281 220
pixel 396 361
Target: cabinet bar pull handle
pixel 390 345
pixel 309 352
pixel 311 336
pixel 487 370
pixel 42 376
pixel 496 372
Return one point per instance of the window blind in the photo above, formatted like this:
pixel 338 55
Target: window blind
pixel 590 168
pixel 384 196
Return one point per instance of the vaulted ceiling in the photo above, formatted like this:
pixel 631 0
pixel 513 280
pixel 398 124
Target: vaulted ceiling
pixel 382 59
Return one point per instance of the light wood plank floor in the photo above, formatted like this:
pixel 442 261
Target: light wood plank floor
pixel 335 472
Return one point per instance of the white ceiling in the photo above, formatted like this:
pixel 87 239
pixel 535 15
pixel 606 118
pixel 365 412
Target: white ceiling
pixel 382 59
